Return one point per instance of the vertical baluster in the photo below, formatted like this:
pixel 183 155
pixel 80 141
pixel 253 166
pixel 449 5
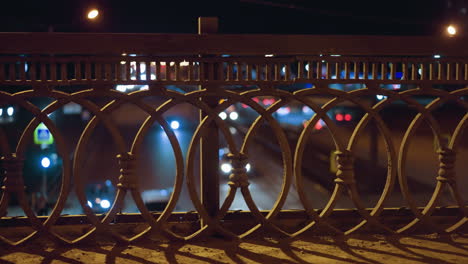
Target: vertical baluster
pixel 22 73
pixel 423 71
pixel 365 70
pixel 392 70
pixel 2 71
pixel 78 71
pixel 32 70
pixel 210 70
pixel 148 70
pixel 119 68
pixel 457 71
pixel 414 71
pixel 384 71
pixel 12 72
pixel 177 70
pixel 466 72
pixel 337 70
pixel 98 71
pixel 328 70
pixel 439 69
pixel 221 75
pixel 128 71
pixel 374 70
pixel 158 70
pixel 63 71
pixel 229 71
pixel 449 71
pixel 137 70
pixel 300 69
pixel 431 71
pixel 277 71
pixel 346 70
pixel 405 71
pixel 319 69
pixel 190 71
pixel 309 70
pixel 43 71
pixel 107 72
pixel 87 71
pixel 356 70
pixel 53 71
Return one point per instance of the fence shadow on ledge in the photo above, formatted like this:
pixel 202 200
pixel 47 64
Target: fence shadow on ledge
pixel 362 248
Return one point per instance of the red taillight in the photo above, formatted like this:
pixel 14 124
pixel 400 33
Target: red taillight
pixel 339 117
pixel 348 117
pixel 244 106
pixel 318 125
pixel 256 99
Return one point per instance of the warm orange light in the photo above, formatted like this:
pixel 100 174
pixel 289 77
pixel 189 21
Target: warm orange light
pixel 451 30
pixel 93 14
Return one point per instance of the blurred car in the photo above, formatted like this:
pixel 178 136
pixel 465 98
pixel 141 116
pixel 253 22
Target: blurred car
pixel 225 166
pixel 100 196
pixel 156 199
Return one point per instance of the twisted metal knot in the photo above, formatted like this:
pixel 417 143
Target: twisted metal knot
pixel 127 178
pixel 345 167
pixel 238 177
pixel 13 169
pixel 446 171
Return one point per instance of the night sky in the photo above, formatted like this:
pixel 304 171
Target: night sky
pixel 396 17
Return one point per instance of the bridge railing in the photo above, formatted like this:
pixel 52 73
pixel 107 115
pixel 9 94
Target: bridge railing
pixel 234 70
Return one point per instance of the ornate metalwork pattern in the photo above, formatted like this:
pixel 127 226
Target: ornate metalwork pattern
pixel 234 79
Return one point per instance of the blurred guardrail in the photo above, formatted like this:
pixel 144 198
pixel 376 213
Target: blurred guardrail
pixel 235 68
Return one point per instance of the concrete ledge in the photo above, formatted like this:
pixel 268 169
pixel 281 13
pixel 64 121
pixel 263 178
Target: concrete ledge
pixel 259 249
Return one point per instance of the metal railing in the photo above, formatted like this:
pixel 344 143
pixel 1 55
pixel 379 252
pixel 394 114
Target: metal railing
pixel 236 69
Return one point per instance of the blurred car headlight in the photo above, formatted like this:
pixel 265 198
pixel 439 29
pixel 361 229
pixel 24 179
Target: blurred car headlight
pixel 105 204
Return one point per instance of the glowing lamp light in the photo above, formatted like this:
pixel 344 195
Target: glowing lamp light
pixel 451 30
pixel 348 117
pixel 93 14
pixel 226 167
pixel 90 204
pixel 380 97
pixel 307 110
pixel 339 117
pixel 318 125
pixel 45 162
pixel 248 167
pixel 10 110
pixel 284 111
pixel 223 115
pixel 105 204
pixel 175 124
pixel 233 115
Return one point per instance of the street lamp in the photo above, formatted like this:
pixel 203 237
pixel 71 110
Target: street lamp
pixel 451 30
pixel 93 14
pixel 45 163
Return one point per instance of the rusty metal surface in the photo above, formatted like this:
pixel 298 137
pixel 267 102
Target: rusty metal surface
pixel 99 74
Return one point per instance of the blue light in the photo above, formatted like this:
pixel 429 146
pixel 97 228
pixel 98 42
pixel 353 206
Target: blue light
pixel 45 162
pixel 90 204
pixel 175 124
pixel 105 204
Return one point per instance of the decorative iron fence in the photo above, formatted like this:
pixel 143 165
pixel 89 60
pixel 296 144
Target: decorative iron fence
pixel 226 75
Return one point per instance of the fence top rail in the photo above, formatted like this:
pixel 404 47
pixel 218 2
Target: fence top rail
pixel 233 44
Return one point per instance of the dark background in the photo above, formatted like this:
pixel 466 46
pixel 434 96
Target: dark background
pixel 397 17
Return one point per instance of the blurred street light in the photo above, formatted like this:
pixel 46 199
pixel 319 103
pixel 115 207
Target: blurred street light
pixel 93 14
pixel 451 30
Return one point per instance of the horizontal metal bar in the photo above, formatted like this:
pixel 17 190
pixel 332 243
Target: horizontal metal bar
pixel 234 44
